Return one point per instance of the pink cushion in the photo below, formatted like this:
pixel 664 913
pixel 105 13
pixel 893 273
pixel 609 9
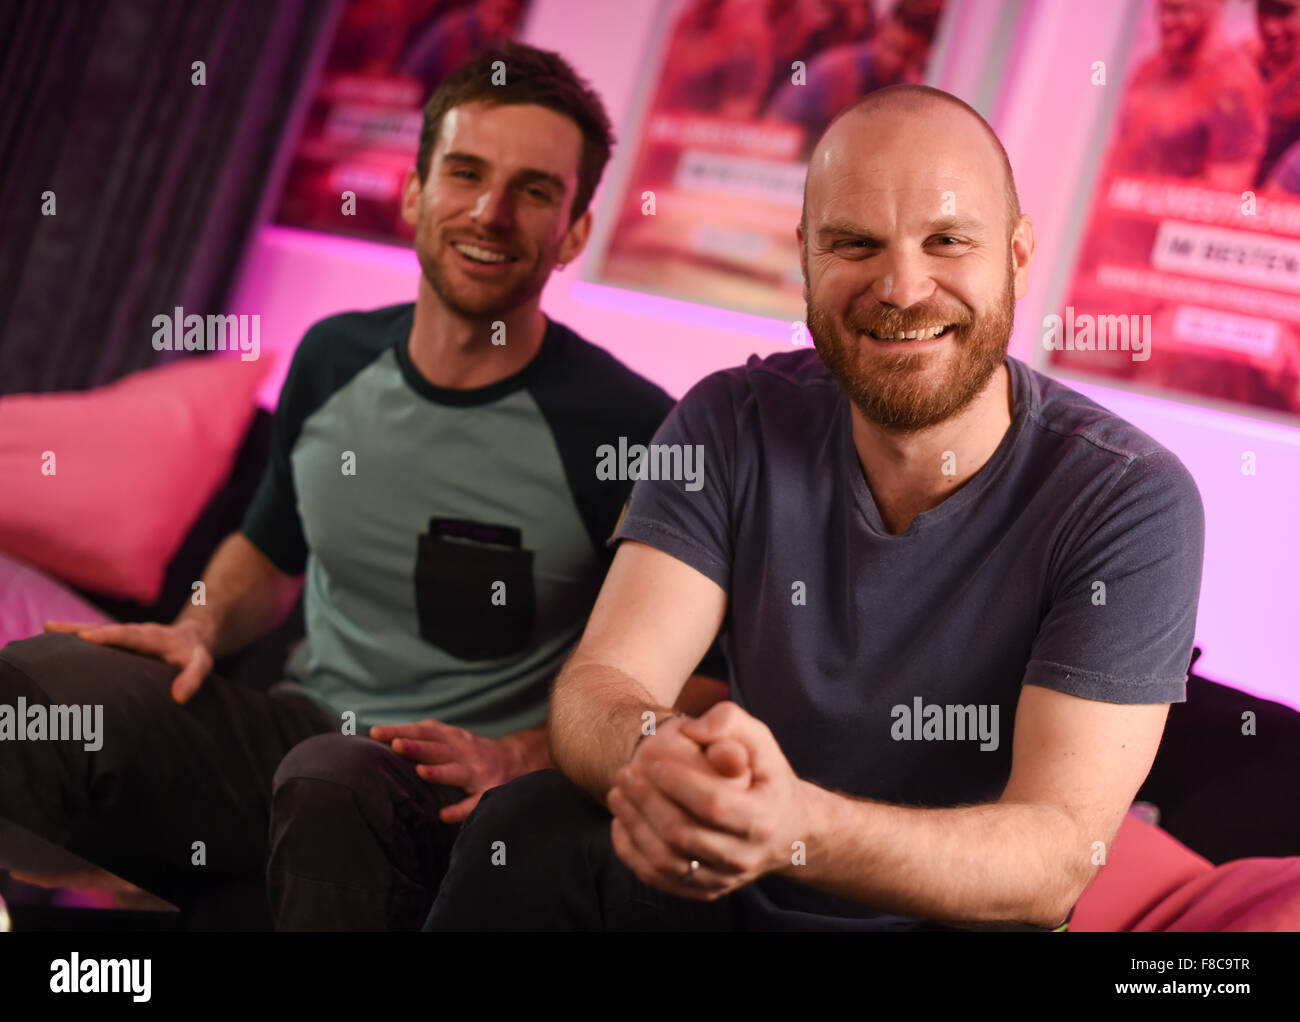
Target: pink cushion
pixel 1246 894
pixel 1153 882
pixel 29 598
pixel 1144 865
pixel 134 464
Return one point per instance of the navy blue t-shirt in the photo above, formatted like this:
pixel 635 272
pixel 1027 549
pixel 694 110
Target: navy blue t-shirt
pixel 889 666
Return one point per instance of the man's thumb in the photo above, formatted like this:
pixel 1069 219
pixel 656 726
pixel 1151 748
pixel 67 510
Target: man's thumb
pixel 190 680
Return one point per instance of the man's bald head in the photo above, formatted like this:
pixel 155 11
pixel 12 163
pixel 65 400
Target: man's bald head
pixel 917 100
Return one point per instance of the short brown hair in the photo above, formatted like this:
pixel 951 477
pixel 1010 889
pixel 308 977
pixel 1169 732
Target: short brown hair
pixel 532 76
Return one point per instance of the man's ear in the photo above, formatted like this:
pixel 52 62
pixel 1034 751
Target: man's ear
pixel 1022 254
pixel 575 238
pixel 411 190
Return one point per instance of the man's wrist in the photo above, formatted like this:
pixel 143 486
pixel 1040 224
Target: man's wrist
pixel 817 810
pixel 527 751
pixel 201 625
pixel 647 734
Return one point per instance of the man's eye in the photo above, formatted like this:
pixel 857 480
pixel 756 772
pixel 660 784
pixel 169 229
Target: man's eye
pixel 948 240
pixel 539 193
pixel 463 173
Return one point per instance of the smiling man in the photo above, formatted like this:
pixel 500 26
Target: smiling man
pixel 905 518
pixel 451 577
pixel 433 491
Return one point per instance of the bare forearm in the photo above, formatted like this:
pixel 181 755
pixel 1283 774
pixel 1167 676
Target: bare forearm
pixel 245 597
pixel 596 717
pixel 993 863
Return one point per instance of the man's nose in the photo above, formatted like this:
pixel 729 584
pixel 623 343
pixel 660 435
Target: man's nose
pixel 493 208
pixel 902 279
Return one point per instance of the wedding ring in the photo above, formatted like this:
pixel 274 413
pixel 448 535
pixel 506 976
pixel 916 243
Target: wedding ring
pixel 690 872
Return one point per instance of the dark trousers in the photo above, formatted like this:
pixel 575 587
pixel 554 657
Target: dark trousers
pixel 176 799
pixel 354 837
pixel 537 855
pixel 356 842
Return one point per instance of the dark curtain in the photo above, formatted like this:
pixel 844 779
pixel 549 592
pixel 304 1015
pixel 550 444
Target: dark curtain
pixel 158 182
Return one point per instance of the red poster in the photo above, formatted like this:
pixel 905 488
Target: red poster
pixel 708 210
pixel 363 129
pixel 1188 278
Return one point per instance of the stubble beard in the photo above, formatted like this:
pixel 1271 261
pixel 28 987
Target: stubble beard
pixel 490 304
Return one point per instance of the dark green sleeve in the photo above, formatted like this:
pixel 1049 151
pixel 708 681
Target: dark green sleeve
pixel 588 399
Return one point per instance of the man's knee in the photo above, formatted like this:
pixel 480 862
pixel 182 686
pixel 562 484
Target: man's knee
pixel 536 805
pixel 62 668
pixel 28 666
pixel 527 857
pixel 347 761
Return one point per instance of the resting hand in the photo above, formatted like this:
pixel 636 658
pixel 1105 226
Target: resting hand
pixel 451 755
pixel 180 645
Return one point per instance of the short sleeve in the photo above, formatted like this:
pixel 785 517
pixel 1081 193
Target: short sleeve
pixel 1124 590
pixel 681 500
pixel 272 522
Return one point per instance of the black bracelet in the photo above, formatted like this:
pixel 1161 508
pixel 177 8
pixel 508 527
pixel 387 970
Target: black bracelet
pixel 647 734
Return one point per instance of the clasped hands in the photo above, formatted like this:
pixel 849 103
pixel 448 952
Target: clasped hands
pixel 715 789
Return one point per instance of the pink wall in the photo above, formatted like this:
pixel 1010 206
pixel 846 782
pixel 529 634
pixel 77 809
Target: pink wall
pixel 1248 610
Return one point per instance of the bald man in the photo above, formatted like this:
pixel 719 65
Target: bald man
pixel 959 598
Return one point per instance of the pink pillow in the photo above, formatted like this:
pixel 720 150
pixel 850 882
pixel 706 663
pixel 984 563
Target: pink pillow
pixel 1246 894
pixel 1143 865
pixel 134 462
pixel 28 599
pixel 1153 882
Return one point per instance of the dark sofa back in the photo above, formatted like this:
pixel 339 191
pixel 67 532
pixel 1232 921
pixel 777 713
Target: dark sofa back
pixel 1225 794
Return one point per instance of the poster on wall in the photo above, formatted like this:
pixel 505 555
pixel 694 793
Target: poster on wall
pixel 708 207
pixel 1188 274
pixel 362 130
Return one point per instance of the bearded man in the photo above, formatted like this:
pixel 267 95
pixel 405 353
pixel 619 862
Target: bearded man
pixel 958 597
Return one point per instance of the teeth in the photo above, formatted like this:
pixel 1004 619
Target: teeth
pixel 483 255
pixel 916 335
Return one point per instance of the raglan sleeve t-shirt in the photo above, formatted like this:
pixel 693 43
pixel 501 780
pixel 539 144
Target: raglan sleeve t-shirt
pixel 452 541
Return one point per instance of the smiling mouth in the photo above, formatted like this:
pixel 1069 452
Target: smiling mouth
pixel 925 334
pixel 485 256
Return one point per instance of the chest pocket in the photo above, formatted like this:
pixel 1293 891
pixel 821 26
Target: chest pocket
pixel 474 591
